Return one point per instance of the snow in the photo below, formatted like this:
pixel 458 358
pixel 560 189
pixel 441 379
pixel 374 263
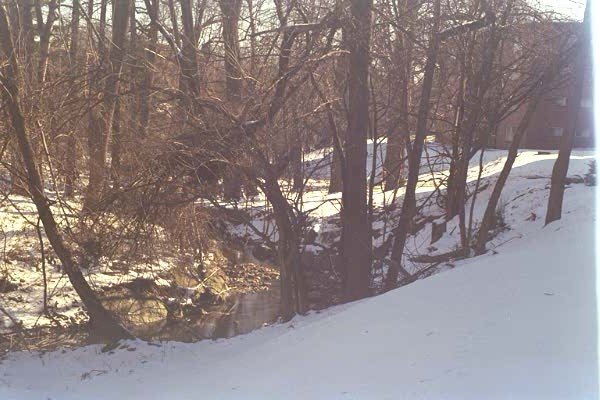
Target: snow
pixel 519 324
pixel 524 201
pixel 20 262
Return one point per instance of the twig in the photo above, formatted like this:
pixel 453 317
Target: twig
pixel 43 255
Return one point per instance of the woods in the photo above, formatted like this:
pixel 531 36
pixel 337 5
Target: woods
pixel 318 137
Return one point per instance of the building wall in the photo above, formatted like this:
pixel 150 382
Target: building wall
pixel 552 120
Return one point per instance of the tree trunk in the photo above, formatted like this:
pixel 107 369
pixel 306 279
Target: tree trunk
pixel 356 231
pixel 45 32
pixel 116 145
pixel 396 142
pixel 561 166
pixel 230 9
pixel 475 95
pixel 296 162
pixel 27 34
pixel 489 217
pixel 190 71
pixel 174 24
pixel 293 285
pixel 451 205
pixel 337 135
pixel 148 79
pixel 102 123
pixel 101 319
pixel 335 171
pixel 409 203
pixel 71 153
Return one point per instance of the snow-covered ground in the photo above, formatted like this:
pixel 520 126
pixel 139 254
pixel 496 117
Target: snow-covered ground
pixel 520 324
pixel 522 204
pixel 20 264
pixel 523 201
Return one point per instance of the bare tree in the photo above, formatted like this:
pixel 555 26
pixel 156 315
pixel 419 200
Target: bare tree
pixel 102 121
pixel 104 322
pixel 414 158
pixel 401 60
pixel 561 166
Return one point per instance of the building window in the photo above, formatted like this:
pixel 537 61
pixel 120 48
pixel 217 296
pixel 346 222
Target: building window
pixel 583 133
pixel 556 131
pixel 586 102
pixel 560 101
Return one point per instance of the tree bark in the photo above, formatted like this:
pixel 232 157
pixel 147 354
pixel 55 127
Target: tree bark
pixel 356 231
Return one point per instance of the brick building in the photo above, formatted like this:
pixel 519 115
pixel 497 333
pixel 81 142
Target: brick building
pixel 551 120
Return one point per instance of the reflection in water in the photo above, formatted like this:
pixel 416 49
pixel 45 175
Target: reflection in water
pixel 239 314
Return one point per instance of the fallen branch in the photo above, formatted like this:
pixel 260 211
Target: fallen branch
pixel 439 258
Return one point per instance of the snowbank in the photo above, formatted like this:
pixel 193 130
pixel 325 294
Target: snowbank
pixel 520 324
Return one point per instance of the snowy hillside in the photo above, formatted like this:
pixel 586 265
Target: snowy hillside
pixel 520 324
pixel 522 204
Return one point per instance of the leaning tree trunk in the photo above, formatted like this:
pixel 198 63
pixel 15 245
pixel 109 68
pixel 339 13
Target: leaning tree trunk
pixel 101 319
pixel 474 101
pixel 489 217
pixel 409 203
pixel 22 34
pixel 561 166
pixel 356 230
pixel 293 285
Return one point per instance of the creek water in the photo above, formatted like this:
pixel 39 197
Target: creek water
pixel 240 313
